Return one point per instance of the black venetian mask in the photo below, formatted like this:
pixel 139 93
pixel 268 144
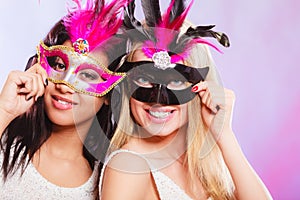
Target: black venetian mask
pixel 170 86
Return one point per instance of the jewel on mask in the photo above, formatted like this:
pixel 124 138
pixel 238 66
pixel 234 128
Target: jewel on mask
pixel 162 60
pixel 81 46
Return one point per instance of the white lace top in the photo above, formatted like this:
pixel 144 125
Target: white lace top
pixel 32 185
pixel 167 188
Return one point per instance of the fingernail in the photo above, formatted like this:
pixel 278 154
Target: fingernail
pixel 216 109
pixel 46 82
pixel 195 88
pixel 29 98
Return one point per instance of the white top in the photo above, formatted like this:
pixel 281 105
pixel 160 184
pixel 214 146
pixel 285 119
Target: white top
pixel 32 185
pixel 166 187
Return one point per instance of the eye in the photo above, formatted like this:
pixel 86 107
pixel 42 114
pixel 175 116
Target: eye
pixel 59 67
pixel 56 63
pixel 89 75
pixel 178 85
pixel 143 82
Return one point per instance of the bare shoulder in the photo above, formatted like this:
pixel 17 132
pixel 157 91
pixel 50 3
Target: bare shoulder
pixel 127 176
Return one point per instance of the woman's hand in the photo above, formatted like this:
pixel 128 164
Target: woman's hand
pixel 21 90
pixel 216 108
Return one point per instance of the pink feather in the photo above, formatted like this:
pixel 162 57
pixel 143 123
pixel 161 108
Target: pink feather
pixel 177 23
pixel 188 47
pixel 167 30
pixel 166 16
pixel 83 22
pixel 202 41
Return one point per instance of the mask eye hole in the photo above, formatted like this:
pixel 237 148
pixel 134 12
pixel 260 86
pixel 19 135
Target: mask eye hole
pixel 89 73
pixel 143 82
pixel 178 84
pixel 56 63
pixel 89 76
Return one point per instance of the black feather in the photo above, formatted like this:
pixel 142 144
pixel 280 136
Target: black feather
pixel 177 9
pixel 152 12
pixel 130 21
pixel 205 31
pixel 135 30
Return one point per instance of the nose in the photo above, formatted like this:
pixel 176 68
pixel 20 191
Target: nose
pixel 63 88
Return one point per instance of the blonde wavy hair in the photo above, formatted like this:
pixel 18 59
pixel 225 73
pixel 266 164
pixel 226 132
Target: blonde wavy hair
pixel 203 157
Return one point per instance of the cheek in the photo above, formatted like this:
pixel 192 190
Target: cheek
pixel 184 113
pixel 47 94
pixel 97 102
pixel 135 109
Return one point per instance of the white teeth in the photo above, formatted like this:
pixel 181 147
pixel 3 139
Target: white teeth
pixel 63 102
pixel 159 114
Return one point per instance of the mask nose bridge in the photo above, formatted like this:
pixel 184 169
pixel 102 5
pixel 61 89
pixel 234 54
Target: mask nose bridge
pixel 69 75
pixel 158 93
pixel 162 94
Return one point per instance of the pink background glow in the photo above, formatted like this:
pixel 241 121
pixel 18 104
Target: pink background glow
pixel 261 66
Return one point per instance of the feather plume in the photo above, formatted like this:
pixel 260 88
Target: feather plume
pixel 95 27
pixel 164 36
pixel 172 20
pixel 177 9
pixel 205 31
pixel 98 6
pixel 174 17
pixel 151 11
pixel 130 22
pixel 137 30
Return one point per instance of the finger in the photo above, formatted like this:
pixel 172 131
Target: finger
pixel 41 87
pixel 42 72
pixel 23 82
pixel 214 107
pixel 205 97
pixel 38 69
pixel 200 86
pixel 37 86
pixel 209 103
pixel 23 90
pixel 208 99
pixel 30 87
pixel 32 84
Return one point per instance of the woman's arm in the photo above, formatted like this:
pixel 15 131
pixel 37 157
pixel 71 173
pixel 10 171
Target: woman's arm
pixel 217 108
pixel 247 183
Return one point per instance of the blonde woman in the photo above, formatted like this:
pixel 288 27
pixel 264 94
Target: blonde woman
pixel 174 138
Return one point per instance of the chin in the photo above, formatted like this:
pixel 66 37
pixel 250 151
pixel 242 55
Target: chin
pixel 159 131
pixel 63 122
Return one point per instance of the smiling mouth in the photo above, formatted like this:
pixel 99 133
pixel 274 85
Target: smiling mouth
pixel 63 101
pixel 160 114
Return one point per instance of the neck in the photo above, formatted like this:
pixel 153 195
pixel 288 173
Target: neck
pixel 161 150
pixel 67 141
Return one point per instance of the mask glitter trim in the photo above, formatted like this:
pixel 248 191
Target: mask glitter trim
pixel 73 60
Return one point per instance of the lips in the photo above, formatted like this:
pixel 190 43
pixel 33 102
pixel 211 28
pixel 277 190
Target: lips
pixel 62 103
pixel 160 114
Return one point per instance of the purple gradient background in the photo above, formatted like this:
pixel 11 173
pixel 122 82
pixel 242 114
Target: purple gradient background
pixel 261 66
